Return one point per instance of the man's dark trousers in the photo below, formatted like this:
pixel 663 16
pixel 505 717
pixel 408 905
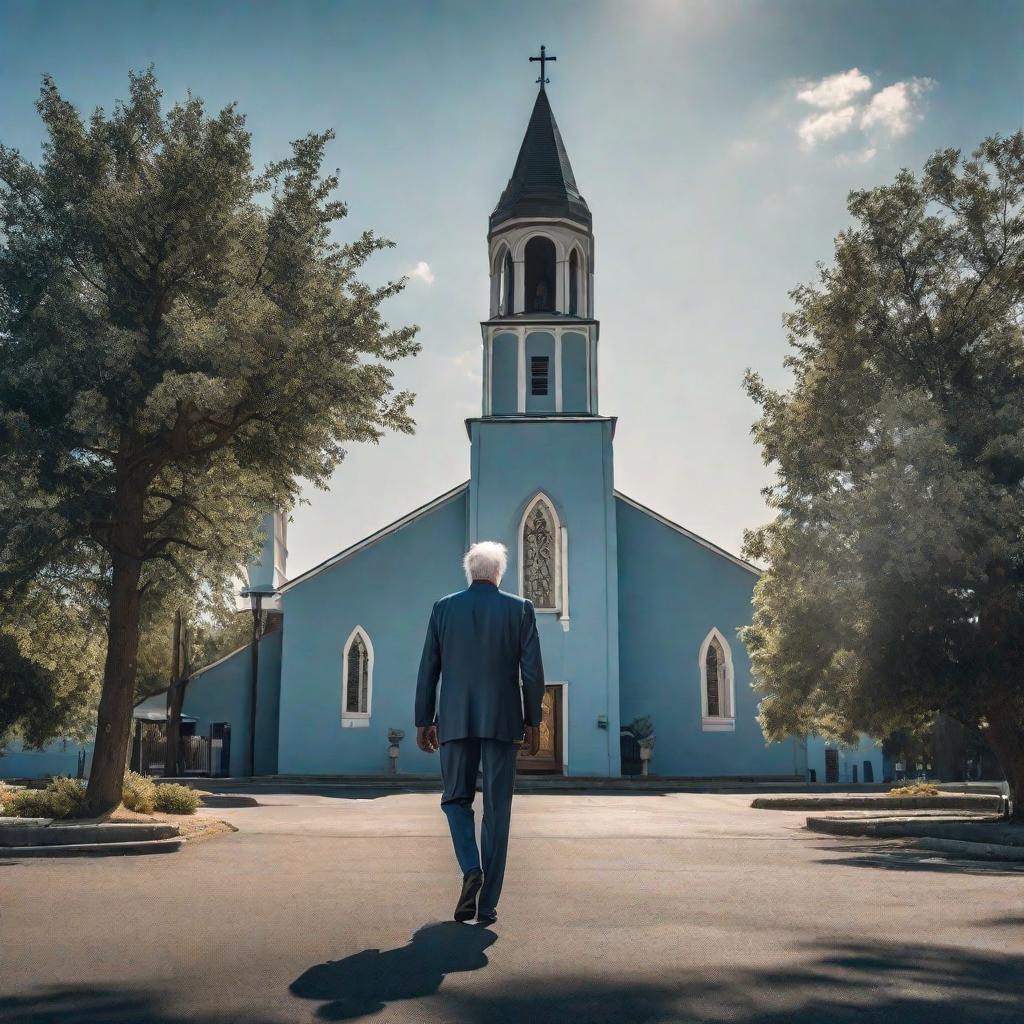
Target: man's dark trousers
pixel 459 762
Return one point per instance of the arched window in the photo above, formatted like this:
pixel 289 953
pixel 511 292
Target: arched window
pixel 574 283
pixel 507 287
pixel 540 275
pixel 357 678
pixel 717 684
pixel 541 550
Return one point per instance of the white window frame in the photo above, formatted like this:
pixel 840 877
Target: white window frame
pixel 356 719
pixel 717 723
pixel 560 559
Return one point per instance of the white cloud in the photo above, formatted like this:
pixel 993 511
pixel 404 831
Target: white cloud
pixel 835 90
pixel 827 125
pixel 422 271
pixel 895 108
pixel 862 156
pixel 848 105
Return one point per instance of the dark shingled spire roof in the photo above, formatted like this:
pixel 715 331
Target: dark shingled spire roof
pixel 542 184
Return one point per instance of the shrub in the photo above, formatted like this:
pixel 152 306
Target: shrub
pixel 915 789
pixel 139 793
pixel 62 798
pixel 173 798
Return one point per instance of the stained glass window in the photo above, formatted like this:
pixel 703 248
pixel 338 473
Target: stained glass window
pixel 539 565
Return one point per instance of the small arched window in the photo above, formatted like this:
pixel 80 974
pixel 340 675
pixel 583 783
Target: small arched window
pixel 574 283
pixel 540 275
pixel 718 686
pixel 357 678
pixel 541 562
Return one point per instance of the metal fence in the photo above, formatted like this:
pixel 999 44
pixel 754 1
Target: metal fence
pixel 193 755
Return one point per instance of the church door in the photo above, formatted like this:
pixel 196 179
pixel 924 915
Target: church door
pixel 549 757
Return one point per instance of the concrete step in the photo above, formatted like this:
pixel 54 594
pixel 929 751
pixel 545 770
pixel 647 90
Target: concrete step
pixel 131 848
pixel 66 834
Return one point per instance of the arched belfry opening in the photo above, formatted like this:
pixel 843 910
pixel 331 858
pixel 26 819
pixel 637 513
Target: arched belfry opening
pixel 539 276
pixel 574 283
pixel 507 288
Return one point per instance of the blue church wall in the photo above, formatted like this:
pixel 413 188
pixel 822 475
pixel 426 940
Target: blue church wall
pixel 570 462
pixel 850 760
pixel 574 373
pixel 388 588
pixel 672 592
pixel 221 693
pixel 540 344
pixel 57 758
pixel 504 374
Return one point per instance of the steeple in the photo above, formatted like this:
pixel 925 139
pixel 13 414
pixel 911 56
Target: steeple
pixel 542 183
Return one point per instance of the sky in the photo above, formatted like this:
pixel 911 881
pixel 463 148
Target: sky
pixel 715 142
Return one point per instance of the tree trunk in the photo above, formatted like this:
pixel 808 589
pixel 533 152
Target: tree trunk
pixel 1006 737
pixel 114 721
pixel 175 699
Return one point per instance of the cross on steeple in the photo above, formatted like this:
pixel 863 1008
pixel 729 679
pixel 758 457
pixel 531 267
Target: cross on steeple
pixel 543 58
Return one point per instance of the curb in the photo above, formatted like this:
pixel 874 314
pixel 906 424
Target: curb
pixel 131 848
pixel 66 835
pixel 970 850
pixel 963 802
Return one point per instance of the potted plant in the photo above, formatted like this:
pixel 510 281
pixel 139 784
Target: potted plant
pixel 643 730
pixel 395 736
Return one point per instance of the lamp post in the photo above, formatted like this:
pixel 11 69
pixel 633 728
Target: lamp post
pixel 256 603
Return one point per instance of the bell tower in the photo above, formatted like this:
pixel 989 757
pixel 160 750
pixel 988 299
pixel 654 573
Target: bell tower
pixel 540 340
pixel 541 455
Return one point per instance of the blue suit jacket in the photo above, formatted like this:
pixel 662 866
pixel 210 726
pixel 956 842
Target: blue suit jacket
pixel 479 641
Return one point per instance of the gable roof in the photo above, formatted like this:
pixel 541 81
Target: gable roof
pixel 542 183
pixel 702 541
pixel 386 531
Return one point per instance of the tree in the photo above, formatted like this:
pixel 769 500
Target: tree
pixel 50 667
pixel 181 342
pixel 895 586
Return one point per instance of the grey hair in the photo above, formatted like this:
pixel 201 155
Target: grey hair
pixel 485 560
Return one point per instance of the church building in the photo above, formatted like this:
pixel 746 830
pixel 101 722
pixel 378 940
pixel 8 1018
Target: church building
pixel 637 615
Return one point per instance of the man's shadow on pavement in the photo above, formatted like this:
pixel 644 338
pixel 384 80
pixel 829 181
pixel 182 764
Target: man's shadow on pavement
pixel 365 982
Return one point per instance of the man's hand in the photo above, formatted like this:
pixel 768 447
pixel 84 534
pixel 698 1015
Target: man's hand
pixel 426 738
pixel 531 741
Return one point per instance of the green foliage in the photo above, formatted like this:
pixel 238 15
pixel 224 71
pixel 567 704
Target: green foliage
pixel 139 793
pixel 62 798
pixel 896 560
pixel 50 666
pixel 641 728
pixel 172 798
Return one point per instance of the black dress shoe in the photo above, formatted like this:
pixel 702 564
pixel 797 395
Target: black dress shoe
pixel 465 910
pixel 486 917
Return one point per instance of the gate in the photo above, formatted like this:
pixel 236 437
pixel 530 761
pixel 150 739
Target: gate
pixel 629 751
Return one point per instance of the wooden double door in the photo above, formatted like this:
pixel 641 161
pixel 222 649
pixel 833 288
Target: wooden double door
pixel 549 759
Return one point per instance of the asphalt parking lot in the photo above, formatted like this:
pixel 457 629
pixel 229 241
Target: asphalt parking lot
pixel 627 907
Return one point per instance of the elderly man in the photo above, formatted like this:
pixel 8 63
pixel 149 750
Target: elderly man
pixel 480 641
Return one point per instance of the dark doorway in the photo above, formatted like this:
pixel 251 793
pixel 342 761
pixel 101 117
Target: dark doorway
pixel 869 772
pixel 540 275
pixel 831 765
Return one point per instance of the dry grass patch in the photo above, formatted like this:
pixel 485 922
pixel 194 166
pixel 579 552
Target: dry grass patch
pixel 915 789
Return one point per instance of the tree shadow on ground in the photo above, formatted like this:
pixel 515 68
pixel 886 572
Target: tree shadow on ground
pixel 822 982
pixel 883 984
pixel 900 856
